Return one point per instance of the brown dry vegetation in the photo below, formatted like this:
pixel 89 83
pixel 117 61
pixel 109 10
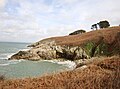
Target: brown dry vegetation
pixel 108 34
pixel 98 75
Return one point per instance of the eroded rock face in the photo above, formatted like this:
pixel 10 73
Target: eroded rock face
pixel 72 53
pixel 49 50
pixel 25 55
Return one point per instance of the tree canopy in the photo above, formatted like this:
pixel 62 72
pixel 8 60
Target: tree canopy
pixel 101 24
pixel 77 32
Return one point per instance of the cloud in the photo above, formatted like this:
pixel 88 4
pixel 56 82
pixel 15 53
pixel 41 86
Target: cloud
pixel 2 3
pixel 31 20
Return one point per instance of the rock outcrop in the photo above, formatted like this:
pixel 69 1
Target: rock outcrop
pixel 25 55
pixel 74 47
pixel 50 50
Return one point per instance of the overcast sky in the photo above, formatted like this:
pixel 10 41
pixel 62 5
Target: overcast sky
pixel 33 20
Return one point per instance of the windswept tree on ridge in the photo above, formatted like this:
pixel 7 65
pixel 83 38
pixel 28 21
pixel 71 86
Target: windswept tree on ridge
pixel 77 32
pixel 101 24
pixel 94 26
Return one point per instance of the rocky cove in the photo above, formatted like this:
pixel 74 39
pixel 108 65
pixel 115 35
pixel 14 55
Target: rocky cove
pixel 48 50
pixel 103 42
pixel 96 53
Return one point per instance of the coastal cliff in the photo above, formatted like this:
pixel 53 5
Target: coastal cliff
pixel 103 42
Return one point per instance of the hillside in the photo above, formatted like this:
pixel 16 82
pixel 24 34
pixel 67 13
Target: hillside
pixel 103 42
pixel 100 68
pixel 79 39
pixel 108 34
pixel 97 75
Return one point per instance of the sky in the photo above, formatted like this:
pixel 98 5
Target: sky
pixel 33 20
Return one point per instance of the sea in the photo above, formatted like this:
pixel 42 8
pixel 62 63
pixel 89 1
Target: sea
pixel 24 68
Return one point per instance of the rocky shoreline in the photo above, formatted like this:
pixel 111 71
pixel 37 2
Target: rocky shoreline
pixel 105 42
pixel 48 50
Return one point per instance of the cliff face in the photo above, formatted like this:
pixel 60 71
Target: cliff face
pixel 95 43
pixel 48 49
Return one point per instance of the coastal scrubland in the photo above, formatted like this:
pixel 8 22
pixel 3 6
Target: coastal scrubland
pixel 101 70
pixel 103 74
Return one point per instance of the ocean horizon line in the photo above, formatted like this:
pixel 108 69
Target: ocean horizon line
pixel 15 42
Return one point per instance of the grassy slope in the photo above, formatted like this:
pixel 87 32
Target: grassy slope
pixel 74 40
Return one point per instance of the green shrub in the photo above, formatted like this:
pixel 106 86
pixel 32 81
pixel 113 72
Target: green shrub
pixel 88 47
pixel 97 50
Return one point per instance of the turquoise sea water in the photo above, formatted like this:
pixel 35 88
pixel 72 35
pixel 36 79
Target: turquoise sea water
pixel 24 68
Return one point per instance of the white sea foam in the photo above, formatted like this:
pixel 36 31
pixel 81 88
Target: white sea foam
pixel 14 61
pixel 5 55
pixel 9 55
pixel 10 62
pixel 5 64
pixel 24 49
pixel 69 64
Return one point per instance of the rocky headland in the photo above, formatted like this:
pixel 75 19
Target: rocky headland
pixel 103 42
pixel 99 71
